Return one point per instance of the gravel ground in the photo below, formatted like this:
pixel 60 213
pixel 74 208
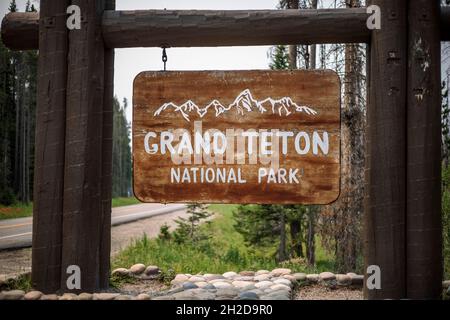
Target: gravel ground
pixel 141 286
pixel 13 262
pixel 319 292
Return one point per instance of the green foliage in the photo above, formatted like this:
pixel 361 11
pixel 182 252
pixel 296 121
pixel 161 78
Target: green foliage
pixel 18 75
pixel 21 210
pixel 124 201
pixel 446 219
pixel 122 172
pixel 116 281
pixel 7 196
pixel 18 210
pixel 188 230
pixel 164 233
pixel 286 226
pixel 21 282
pixel 258 224
pixel 167 276
pixel 224 252
pixel 279 58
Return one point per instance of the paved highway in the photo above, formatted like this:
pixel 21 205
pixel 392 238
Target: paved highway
pixel 16 233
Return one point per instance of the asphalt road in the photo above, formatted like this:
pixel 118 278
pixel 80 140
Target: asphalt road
pixel 16 233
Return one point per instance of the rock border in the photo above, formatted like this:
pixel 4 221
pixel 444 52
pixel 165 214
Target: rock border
pixel 278 284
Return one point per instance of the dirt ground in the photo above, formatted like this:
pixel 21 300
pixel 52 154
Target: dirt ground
pixel 319 292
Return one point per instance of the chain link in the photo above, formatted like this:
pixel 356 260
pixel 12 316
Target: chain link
pixel 164 57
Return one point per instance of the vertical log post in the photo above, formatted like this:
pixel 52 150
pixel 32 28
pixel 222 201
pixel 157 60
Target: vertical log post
pixel 49 146
pixel 107 137
pixel 386 156
pixel 423 228
pixel 83 232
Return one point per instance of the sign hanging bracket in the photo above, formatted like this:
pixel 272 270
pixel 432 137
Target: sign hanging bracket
pixel 164 56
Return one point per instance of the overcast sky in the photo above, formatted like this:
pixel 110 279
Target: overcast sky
pixel 129 62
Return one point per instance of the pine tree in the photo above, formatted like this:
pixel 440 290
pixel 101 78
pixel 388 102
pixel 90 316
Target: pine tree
pixel 279 58
pixel 13 6
pixel 188 228
pixel 121 162
pixel 7 126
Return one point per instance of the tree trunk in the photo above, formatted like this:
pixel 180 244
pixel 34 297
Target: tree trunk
pixel 312 57
pixel 292 49
pixel 282 247
pixel 310 241
pixel 296 231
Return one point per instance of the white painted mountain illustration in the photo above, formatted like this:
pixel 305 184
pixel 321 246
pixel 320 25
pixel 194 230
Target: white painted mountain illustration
pixel 243 103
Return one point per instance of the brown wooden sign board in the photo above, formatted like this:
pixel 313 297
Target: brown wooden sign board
pixel 237 137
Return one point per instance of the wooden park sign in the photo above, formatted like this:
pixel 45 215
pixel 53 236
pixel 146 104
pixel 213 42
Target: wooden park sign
pixel 237 136
pixel 74 116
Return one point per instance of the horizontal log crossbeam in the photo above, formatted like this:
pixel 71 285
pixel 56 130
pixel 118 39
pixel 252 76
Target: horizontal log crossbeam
pixel 198 28
pixel 208 28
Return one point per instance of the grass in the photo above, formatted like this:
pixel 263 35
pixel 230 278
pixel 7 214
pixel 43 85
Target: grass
pixel 22 282
pixel 122 202
pixel 26 210
pixel 16 211
pixel 226 251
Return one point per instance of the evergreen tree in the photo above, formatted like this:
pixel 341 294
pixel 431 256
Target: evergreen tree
pixel 122 172
pixel 13 6
pixel 7 126
pixel 188 228
pixel 279 58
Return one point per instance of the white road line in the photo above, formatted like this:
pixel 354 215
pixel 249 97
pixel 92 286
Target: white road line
pixel 16 235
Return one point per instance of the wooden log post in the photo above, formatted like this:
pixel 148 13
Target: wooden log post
pixel 107 146
pixel 445 23
pixel 385 185
pixel 49 146
pixel 423 228
pixel 83 233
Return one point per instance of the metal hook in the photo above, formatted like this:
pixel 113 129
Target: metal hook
pixel 164 57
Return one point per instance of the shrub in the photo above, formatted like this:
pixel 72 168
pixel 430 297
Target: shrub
pixel 7 197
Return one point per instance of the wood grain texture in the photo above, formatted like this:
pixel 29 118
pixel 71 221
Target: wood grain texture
pixel 445 23
pixel 20 30
pixel 82 219
pixel 318 89
pixel 200 28
pixel 203 28
pixel 424 227
pixel 385 185
pixel 49 149
pixel 107 146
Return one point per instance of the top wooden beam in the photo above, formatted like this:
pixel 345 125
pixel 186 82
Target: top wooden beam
pixel 206 28
pixel 192 28
pixel 209 28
